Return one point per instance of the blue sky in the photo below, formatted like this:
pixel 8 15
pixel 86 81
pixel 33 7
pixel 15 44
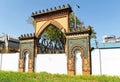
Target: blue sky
pixel 103 15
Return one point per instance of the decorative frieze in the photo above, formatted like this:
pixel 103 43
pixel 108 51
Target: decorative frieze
pixel 50 10
pixel 79 30
pixel 27 36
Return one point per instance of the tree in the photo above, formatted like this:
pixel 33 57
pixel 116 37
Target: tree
pixel 93 35
pixel 30 20
pixel 72 21
pixel 79 24
pixel 55 35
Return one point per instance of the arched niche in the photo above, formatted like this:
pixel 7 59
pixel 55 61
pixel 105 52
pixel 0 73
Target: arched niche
pixel 47 24
pixel 49 45
pixel 78 62
pixel 26 54
pixel 75 66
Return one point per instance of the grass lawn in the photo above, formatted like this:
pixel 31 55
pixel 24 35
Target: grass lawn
pixel 46 77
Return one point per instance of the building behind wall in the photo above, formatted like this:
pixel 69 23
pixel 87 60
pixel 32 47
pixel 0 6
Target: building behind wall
pixel 9 44
pixel 110 38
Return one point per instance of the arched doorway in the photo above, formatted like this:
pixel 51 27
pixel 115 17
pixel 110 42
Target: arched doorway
pixel 26 59
pixel 77 57
pixel 78 62
pixel 51 41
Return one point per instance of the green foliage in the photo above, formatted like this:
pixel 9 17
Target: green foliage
pixel 46 77
pixel 72 21
pixel 30 20
pixel 53 33
pixel 93 35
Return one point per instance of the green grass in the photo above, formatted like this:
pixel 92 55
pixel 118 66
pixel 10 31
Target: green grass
pixel 46 77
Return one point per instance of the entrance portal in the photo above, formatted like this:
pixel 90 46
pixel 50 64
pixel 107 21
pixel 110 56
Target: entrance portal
pixel 78 62
pixel 26 55
pixel 51 41
pixel 76 44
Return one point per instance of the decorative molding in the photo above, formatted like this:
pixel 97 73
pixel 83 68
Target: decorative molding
pixel 79 31
pixel 27 36
pixel 52 11
pixel 43 27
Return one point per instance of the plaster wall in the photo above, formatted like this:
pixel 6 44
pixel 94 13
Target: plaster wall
pixel 63 22
pixel 106 61
pixel 39 25
pixel 9 62
pixel 51 63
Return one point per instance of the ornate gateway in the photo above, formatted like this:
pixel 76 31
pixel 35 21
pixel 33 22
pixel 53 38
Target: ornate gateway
pixel 76 41
pixel 79 39
pixel 27 52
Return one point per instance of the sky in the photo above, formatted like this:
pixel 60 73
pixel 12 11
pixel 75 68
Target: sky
pixel 103 15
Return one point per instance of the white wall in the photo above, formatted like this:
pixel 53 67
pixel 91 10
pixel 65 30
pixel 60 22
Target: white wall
pixel 104 61
pixel 9 62
pixel 109 59
pixel 51 63
pixel 78 63
pixel 95 62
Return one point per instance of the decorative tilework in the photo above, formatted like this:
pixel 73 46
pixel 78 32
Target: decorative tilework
pixel 81 42
pixel 26 46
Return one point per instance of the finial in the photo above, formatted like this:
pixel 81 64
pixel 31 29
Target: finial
pixel 32 13
pixel 36 12
pixel 63 6
pixel 59 7
pixel 24 35
pixel 21 36
pixel 47 10
pixel 68 6
pixel 30 34
pixel 27 35
pixel 50 9
pixel 55 8
pixel 89 27
pixel 39 11
pixel 43 11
